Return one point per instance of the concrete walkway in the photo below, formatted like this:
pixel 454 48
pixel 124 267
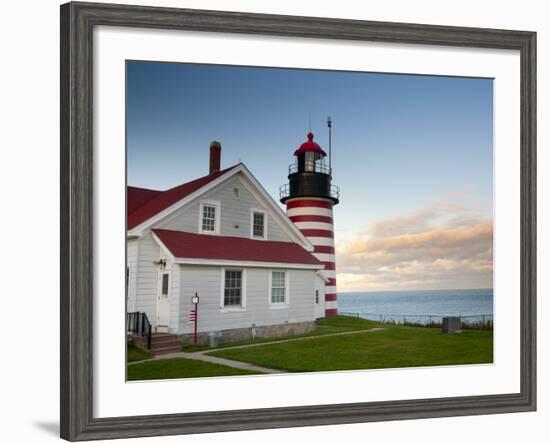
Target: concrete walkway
pixel 217 360
pixel 202 355
pixel 210 359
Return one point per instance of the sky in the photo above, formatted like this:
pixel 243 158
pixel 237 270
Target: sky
pixel 412 155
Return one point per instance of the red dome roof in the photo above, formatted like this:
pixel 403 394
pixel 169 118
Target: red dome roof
pixel 310 146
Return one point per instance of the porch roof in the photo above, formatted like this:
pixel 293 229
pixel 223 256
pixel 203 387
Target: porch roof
pixel 186 245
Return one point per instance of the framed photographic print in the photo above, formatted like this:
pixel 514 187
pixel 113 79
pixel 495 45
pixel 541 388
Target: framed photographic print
pixel 273 221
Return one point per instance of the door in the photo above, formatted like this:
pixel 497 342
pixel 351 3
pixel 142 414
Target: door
pixel 163 302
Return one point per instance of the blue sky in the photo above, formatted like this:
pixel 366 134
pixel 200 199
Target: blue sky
pixel 402 146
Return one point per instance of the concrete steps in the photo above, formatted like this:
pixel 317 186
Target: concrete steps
pixel 161 343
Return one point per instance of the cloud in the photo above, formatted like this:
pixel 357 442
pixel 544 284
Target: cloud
pixel 450 209
pixel 442 245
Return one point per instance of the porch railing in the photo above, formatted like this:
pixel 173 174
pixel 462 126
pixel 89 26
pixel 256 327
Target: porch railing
pixel 138 324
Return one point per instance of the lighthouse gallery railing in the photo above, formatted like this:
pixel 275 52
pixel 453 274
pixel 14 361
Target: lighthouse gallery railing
pixel 319 167
pixel 284 191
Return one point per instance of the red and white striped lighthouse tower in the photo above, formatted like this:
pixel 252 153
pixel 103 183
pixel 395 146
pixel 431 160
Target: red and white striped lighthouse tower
pixel 309 197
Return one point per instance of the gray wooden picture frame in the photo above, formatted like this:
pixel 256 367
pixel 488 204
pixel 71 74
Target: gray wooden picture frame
pixel 77 23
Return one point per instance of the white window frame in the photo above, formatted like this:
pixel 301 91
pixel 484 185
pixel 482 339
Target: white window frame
pixel 217 205
pixel 242 307
pixel 258 211
pixel 286 303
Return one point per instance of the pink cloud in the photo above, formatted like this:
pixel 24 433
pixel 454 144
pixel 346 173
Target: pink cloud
pixel 443 245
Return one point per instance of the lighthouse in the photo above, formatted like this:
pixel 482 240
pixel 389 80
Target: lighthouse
pixel 309 197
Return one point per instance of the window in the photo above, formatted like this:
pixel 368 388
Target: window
pixel 233 288
pixel 278 287
pixel 209 222
pixel 208 218
pixel 316 296
pixel 258 224
pixel 165 280
pixel 236 193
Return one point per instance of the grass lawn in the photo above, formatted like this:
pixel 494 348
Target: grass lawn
pixel 396 346
pixel 180 368
pixel 136 354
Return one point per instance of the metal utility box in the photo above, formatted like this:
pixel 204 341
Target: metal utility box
pixel 450 325
pixel 214 338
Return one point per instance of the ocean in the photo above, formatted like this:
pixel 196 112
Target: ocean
pixel 472 305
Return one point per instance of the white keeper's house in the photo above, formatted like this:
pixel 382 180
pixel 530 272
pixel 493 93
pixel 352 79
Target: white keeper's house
pixel 257 271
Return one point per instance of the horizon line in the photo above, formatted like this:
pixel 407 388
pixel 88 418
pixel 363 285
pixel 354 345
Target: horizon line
pixel 414 290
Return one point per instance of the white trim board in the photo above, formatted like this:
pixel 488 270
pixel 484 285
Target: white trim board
pixel 266 217
pixel 247 264
pixel 242 306
pixel 286 303
pixel 217 216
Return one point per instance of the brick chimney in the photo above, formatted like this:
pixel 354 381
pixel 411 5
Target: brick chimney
pixel 215 156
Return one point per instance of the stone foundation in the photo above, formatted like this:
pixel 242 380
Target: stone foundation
pixel 233 335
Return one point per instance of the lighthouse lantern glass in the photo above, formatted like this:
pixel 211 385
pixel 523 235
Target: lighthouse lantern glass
pixel 310 161
pixel 319 163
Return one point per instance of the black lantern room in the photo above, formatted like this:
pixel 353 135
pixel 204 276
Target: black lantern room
pixel 309 176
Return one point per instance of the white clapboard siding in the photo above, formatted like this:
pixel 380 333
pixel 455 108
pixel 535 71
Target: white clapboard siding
pixel 207 281
pixel 147 277
pixel 132 261
pixel 175 299
pixel 235 213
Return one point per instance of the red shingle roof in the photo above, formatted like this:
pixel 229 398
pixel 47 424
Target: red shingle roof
pixel 164 199
pixel 137 197
pixel 215 247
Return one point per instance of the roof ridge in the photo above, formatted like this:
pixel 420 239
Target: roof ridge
pixel 144 189
pixel 217 174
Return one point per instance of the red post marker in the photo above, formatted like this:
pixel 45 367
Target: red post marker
pixel 194 316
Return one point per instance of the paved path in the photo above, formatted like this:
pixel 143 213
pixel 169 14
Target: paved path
pixel 219 361
pixel 211 359
pixel 203 355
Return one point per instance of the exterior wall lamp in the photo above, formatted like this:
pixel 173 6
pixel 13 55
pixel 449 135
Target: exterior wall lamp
pixel 161 262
